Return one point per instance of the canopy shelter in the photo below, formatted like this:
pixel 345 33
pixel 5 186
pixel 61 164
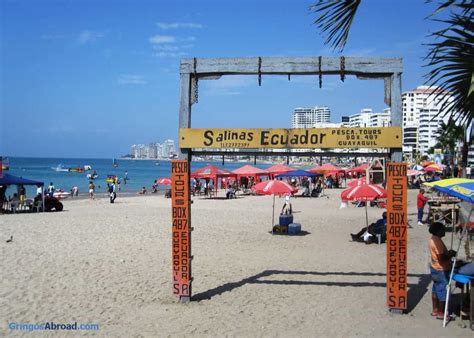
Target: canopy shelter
pixel 298 173
pixel 327 168
pixel 212 172
pixel 277 170
pixel 250 171
pixel 7 180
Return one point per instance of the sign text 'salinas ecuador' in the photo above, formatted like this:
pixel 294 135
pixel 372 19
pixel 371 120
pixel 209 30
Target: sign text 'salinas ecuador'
pixel 385 137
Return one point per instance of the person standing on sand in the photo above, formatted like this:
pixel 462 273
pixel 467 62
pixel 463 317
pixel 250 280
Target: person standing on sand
pixel 440 269
pixel 51 189
pixel 420 204
pixel 91 190
pixel 113 193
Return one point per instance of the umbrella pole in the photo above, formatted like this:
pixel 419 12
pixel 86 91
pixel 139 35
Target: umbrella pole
pixel 273 213
pixel 366 217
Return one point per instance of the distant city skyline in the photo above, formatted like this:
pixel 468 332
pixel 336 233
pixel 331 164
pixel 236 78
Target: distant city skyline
pixel 90 78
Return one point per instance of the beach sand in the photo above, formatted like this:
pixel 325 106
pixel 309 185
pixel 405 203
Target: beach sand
pixel 110 264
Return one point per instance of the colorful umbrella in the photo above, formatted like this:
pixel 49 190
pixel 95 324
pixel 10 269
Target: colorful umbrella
pixel 164 181
pixel 273 187
pixel 356 182
pixel 326 168
pixel 447 182
pixel 364 192
pixel 462 190
pixel 413 172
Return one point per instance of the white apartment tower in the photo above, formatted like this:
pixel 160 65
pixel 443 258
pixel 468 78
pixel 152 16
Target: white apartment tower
pixel 420 124
pixel 367 118
pixel 308 117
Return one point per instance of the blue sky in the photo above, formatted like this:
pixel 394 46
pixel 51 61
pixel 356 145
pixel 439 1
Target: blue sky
pixel 91 78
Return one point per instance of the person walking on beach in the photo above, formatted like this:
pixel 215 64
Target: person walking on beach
pixel 22 194
pixel 420 204
pixel 440 268
pixel 113 193
pixel 50 189
pixel 91 190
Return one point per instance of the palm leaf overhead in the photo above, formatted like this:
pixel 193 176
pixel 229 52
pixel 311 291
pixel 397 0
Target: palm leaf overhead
pixel 451 59
pixel 335 20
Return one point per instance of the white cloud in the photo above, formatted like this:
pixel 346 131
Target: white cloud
pixel 170 54
pixel 54 36
pixel 130 79
pixel 177 25
pixel 160 39
pixel 89 36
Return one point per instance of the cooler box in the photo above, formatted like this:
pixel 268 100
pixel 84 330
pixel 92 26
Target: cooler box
pixel 286 219
pixel 294 229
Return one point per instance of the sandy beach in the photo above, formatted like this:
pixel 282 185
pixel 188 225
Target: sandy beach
pixel 110 264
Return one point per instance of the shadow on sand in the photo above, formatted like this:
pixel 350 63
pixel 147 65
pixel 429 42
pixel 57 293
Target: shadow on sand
pixel 415 291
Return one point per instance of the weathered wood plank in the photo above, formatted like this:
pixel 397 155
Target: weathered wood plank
pixel 297 65
pixel 185 108
pixel 396 109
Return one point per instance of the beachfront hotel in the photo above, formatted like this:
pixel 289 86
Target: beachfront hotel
pixel 420 124
pixel 308 117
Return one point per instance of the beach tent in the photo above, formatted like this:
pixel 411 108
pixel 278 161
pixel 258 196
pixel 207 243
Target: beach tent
pixel 212 172
pixel 250 171
pixel 7 179
pixel 278 169
pixel 298 173
pixel 326 168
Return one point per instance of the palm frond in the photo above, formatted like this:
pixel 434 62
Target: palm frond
pixel 451 62
pixel 335 19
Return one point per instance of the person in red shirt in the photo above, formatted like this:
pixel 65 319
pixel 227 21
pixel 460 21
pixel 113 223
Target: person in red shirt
pixel 420 204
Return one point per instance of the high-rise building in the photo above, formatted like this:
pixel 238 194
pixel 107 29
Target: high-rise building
pixel 308 117
pixel 419 136
pixel 367 118
pixel 345 121
pixel 168 148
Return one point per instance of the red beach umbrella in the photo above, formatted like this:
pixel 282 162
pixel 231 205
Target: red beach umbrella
pixel 273 187
pixel 364 192
pixel 357 182
pixel 164 181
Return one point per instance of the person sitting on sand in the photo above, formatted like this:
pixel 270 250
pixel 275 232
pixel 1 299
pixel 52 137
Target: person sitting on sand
pixel 142 191
pixel 374 229
pixel 440 268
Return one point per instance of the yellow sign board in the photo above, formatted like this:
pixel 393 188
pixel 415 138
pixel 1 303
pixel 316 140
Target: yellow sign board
pixel 384 137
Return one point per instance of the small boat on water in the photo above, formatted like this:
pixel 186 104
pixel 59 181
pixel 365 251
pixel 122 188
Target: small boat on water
pixel 92 176
pixel 60 167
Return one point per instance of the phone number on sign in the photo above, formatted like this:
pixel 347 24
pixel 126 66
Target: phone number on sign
pixel 234 145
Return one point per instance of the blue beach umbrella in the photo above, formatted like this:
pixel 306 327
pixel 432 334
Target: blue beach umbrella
pixel 462 190
pixel 299 173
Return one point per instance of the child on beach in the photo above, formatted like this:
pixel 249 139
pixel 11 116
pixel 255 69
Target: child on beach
pixel 91 190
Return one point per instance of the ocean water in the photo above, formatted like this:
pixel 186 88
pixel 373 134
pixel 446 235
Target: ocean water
pixel 141 173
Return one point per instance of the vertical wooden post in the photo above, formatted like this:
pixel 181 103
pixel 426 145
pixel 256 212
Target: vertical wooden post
pixel 186 154
pixel 397 237
pixel 396 109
